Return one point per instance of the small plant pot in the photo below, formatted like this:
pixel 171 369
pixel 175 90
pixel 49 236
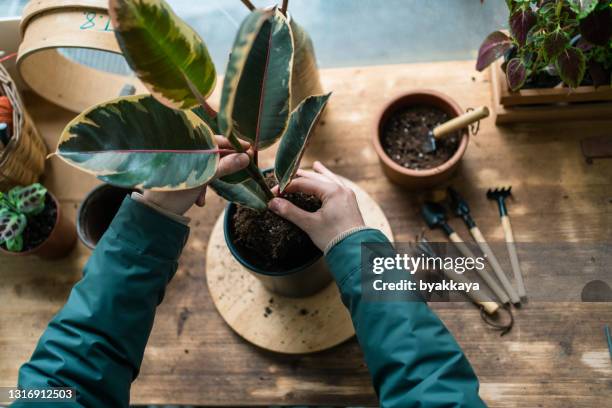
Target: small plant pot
pixel 60 241
pixel 301 281
pixel 426 178
pixel 97 212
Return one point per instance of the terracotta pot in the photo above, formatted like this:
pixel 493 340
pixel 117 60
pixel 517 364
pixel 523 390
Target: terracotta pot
pixel 59 243
pixel 97 211
pixel 418 178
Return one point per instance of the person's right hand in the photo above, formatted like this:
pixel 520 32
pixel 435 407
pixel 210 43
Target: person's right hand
pixel 339 211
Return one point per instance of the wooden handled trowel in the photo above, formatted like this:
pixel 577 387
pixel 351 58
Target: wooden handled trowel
pixel 452 125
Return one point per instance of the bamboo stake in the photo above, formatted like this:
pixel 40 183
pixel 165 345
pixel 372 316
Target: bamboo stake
pixel 249 5
pixel 284 7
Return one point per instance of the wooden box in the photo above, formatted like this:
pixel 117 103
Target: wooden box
pixel 540 105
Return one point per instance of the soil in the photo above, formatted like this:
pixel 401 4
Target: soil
pixel 271 242
pixel 39 226
pixel 407 131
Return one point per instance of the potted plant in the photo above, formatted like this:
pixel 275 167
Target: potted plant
pixel 165 141
pixel 31 223
pixel 399 134
pixel 557 59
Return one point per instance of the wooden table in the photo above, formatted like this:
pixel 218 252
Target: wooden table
pixel 555 357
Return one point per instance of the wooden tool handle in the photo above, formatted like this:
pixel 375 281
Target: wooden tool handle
pixel 480 298
pixel 461 121
pixel 492 259
pixel 514 260
pixel 484 274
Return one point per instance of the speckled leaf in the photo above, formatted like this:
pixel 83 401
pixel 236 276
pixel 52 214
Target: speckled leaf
pixel 521 22
pixel 11 226
pixel 29 200
pixel 136 141
pixel 166 54
pixel 571 66
pixel 248 193
pixel 492 48
pixel 256 89
pixel 516 73
pixel 554 43
pixel 294 141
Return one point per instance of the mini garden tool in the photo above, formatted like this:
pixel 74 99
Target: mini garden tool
pixel 499 195
pixel 480 299
pixel 435 217
pixel 461 208
pixel 452 125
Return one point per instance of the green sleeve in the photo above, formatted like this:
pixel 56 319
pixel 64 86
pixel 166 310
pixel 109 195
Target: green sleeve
pixel 97 340
pixel 413 359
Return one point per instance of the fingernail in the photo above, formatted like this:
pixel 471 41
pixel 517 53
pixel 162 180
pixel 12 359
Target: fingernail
pixel 274 204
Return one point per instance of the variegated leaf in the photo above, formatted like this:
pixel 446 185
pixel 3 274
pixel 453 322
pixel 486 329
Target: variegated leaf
pixel 29 199
pixel 166 54
pixel 248 193
pixel 11 225
pixel 257 86
pixel 136 141
pixel 292 145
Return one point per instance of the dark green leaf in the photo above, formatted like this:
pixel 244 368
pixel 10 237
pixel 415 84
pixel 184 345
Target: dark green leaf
pixel 292 145
pixel 583 7
pixel 28 200
pixel 136 141
pixel 248 193
pixel 571 66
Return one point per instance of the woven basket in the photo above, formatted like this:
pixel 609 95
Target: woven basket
pixel 23 160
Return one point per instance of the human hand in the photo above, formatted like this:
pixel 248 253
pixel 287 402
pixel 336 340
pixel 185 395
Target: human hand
pixel 339 211
pixel 178 202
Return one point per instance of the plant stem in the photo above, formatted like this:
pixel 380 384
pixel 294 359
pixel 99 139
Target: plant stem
pixel 284 7
pixel 248 4
pixel 252 168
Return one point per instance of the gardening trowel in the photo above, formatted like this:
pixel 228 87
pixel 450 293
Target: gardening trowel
pixel 452 125
pixel 435 217
pixel 499 195
pixel 461 208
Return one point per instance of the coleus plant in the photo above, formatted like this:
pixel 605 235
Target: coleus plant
pixel 165 141
pixel 15 208
pixel 553 41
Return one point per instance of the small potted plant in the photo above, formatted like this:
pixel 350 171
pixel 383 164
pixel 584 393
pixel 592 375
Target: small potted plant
pixel 165 141
pixel 31 223
pixel 556 57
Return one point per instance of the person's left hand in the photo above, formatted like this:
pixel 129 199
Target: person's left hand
pixel 178 202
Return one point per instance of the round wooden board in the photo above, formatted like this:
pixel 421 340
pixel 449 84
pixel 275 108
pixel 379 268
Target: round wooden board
pixel 273 322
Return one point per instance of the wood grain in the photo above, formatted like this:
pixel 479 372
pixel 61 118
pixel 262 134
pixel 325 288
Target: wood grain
pixel 555 356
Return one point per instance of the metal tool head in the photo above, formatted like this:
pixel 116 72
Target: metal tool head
pixel 458 204
pixel 429 145
pixel 434 214
pixel 499 192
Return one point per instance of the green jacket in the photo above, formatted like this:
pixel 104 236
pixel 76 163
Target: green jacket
pixel 97 340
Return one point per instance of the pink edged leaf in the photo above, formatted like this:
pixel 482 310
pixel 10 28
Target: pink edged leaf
pixel 571 66
pixel 516 73
pixel 493 47
pixel 521 23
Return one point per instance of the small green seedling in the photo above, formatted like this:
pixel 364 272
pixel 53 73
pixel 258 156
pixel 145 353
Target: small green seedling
pixel 15 208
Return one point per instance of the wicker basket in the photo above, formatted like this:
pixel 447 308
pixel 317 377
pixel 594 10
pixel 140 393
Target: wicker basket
pixel 23 160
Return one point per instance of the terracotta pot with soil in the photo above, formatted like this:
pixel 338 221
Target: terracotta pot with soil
pixel 48 234
pixel 97 212
pixel 275 251
pixel 402 130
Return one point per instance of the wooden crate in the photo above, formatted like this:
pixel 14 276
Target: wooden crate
pixel 540 105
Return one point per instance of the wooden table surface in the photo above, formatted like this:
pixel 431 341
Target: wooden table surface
pixel 555 356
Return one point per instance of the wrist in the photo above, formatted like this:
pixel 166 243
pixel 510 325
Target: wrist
pixel 150 200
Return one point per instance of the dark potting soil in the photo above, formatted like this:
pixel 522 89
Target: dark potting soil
pixel 406 131
pixel 271 242
pixel 39 226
